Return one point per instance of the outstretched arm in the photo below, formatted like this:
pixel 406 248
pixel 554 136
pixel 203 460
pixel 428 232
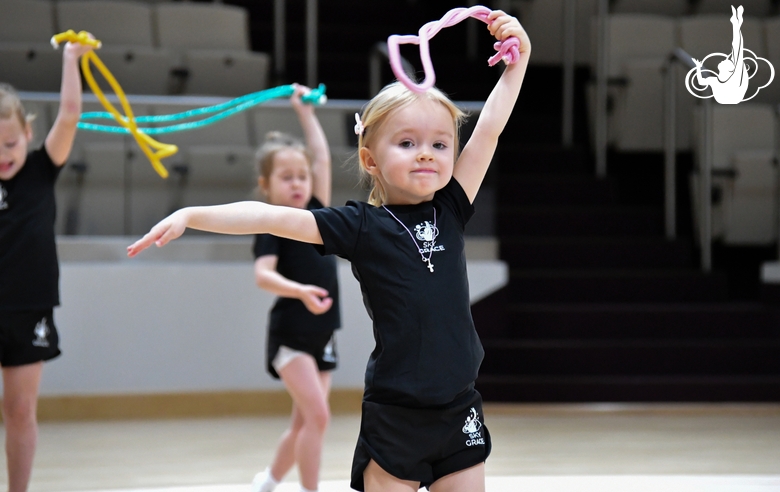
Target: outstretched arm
pixel 233 218
pixel 476 156
pixel 317 144
pixel 59 141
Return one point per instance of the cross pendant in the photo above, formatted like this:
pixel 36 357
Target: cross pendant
pixel 430 265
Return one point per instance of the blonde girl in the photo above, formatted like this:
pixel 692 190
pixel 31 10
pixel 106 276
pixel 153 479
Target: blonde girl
pixel 422 422
pixel 29 271
pixel 300 347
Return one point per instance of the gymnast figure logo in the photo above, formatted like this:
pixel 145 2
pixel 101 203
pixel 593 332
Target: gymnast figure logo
pixel 730 84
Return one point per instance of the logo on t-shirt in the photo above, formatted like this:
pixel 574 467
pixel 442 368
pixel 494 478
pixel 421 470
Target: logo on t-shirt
pixel 3 195
pixel 427 233
pixel 473 429
pixel 41 331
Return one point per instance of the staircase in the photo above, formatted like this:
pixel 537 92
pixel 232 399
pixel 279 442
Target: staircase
pixel 600 306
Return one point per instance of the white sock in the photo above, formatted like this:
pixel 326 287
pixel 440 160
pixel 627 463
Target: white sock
pixel 264 482
pixel 304 489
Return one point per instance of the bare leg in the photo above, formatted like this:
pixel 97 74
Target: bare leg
pixel 285 452
pixel 309 390
pixel 468 480
pixel 375 479
pixel 20 403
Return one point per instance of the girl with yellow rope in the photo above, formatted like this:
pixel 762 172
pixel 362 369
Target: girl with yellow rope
pixel 29 273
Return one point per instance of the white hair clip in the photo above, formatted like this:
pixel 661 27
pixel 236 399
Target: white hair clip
pixel 359 128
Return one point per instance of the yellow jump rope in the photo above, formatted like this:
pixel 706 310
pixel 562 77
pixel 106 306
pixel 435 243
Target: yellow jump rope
pixel 154 150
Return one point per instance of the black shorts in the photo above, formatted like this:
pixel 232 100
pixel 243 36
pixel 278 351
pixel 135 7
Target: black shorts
pixel 321 346
pixel 421 444
pixel 27 337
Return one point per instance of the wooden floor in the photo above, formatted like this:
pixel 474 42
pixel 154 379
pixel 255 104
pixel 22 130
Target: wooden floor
pixel 710 448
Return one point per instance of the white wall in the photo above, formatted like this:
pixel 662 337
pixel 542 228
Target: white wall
pixel 151 326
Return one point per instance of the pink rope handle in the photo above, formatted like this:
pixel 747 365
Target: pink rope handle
pixel 506 50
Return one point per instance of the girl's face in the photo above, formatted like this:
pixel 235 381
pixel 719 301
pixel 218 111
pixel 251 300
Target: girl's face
pixel 14 138
pixel 413 153
pixel 290 182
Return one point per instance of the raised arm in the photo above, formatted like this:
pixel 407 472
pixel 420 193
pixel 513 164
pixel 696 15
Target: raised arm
pixel 233 218
pixel 59 141
pixel 476 156
pixel 317 144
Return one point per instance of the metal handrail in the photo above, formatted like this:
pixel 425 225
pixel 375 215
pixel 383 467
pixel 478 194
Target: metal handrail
pixel 376 57
pixel 280 52
pixel 569 22
pixel 777 168
pixel 312 46
pixel 670 165
pixel 311 43
pixel 601 88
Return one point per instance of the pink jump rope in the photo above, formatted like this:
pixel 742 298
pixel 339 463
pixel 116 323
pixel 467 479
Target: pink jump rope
pixel 506 50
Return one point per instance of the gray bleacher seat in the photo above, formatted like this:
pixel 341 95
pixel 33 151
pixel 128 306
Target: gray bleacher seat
pixel 273 118
pixel 137 69
pixel 743 145
pixel 125 29
pixel 152 197
pixel 213 40
pixel 638 47
pixel 26 21
pixel 31 66
pixel 114 22
pixel 700 36
pixel 189 25
pixel 94 204
pixel 225 72
pixel 219 174
pixel 754 8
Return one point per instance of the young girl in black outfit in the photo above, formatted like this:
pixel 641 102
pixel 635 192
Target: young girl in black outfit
pixel 422 421
pixel 300 344
pixel 29 271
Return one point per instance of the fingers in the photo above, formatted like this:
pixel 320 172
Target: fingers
pixel 319 291
pixel 321 305
pixel 503 26
pixel 141 244
pixel 160 235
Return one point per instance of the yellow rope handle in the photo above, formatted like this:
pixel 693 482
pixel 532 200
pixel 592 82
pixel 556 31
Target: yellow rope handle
pixel 146 142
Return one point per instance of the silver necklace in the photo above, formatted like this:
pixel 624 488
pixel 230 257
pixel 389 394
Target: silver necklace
pixel 434 233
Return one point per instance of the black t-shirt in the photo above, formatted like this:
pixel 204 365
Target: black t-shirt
pixel 302 263
pixel 29 272
pixel 427 350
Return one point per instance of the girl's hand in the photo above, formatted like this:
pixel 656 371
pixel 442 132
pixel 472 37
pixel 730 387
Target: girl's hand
pixel 502 26
pixel 164 232
pixel 315 299
pixel 78 49
pixel 297 104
